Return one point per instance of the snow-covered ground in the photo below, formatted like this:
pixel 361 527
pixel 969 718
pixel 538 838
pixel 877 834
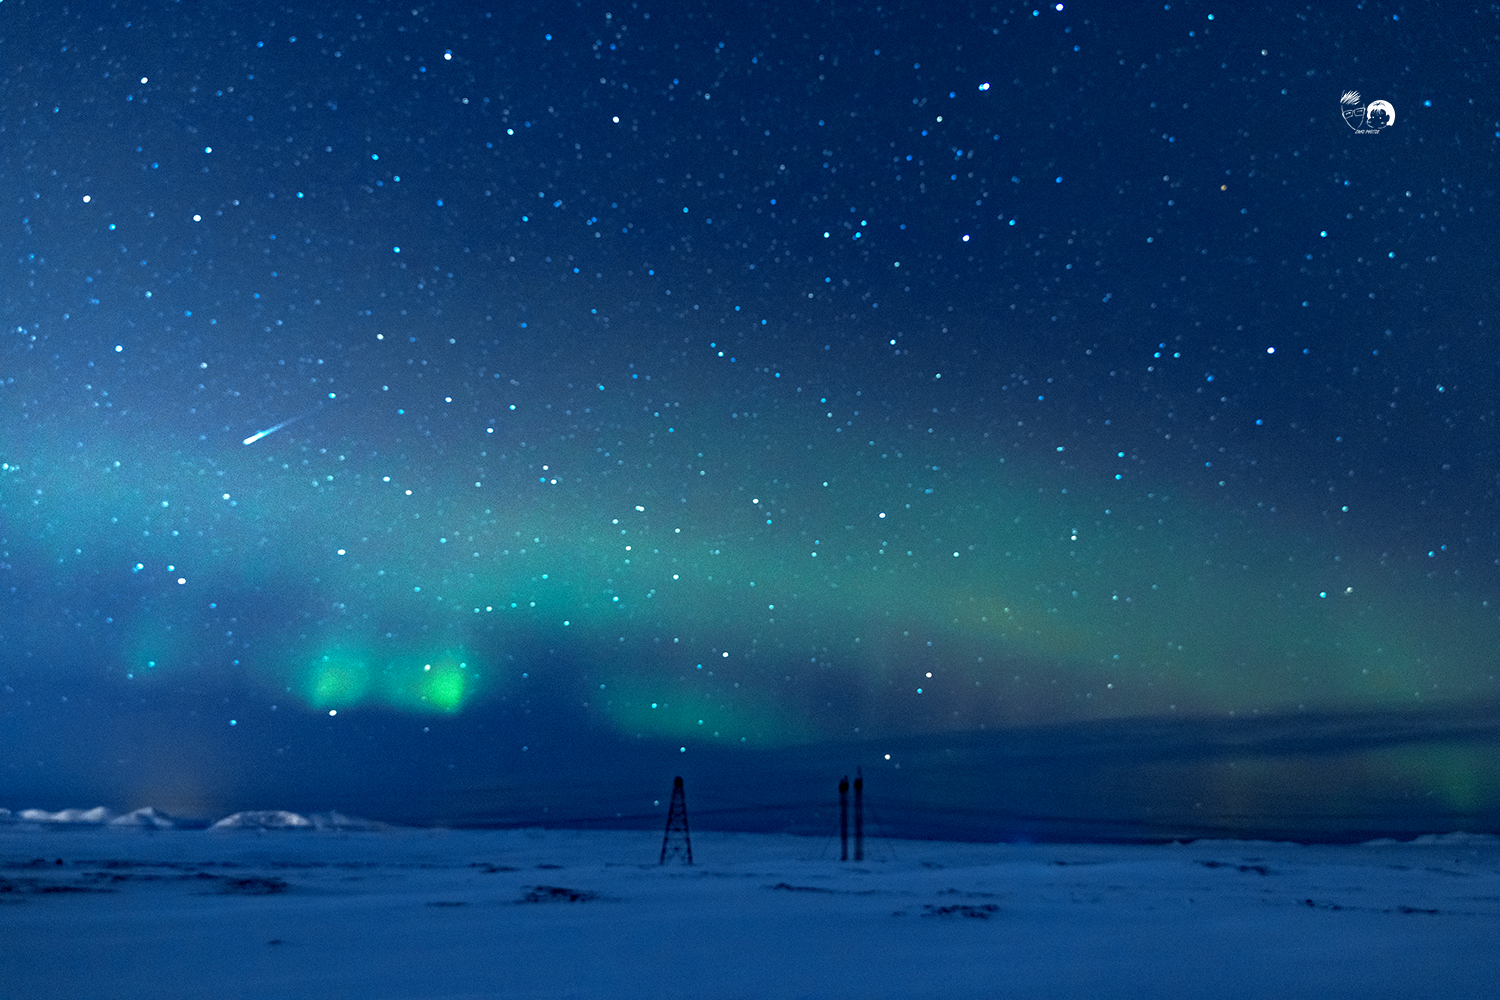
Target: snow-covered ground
pixel 132 910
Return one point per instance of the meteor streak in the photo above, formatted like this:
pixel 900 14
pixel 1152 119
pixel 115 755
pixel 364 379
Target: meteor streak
pixel 272 430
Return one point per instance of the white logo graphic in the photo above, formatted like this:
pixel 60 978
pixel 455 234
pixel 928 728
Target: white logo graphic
pixel 1368 118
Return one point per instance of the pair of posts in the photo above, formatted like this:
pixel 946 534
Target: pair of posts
pixel 859 816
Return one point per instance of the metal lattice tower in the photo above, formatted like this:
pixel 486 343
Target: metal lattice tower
pixel 677 822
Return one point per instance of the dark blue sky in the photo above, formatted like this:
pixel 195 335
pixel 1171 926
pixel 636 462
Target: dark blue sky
pixel 455 415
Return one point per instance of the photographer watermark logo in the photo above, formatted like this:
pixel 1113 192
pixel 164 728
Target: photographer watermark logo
pixel 1369 118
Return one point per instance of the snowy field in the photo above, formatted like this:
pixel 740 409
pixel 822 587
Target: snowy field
pixel 90 910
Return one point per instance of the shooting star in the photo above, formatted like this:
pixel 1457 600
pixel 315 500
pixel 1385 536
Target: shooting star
pixel 272 430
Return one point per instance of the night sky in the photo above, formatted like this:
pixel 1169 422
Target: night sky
pixel 452 415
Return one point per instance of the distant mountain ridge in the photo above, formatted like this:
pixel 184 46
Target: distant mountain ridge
pixel 151 818
pixel 281 819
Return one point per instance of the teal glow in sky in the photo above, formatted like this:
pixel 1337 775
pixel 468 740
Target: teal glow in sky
pixel 737 388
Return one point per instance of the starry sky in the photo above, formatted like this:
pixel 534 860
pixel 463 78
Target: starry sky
pixel 465 415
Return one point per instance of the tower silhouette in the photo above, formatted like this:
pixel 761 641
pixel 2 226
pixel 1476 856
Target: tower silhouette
pixel 677 822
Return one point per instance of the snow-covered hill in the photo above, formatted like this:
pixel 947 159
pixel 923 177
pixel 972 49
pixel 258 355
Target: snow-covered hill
pixel 96 816
pixel 151 818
